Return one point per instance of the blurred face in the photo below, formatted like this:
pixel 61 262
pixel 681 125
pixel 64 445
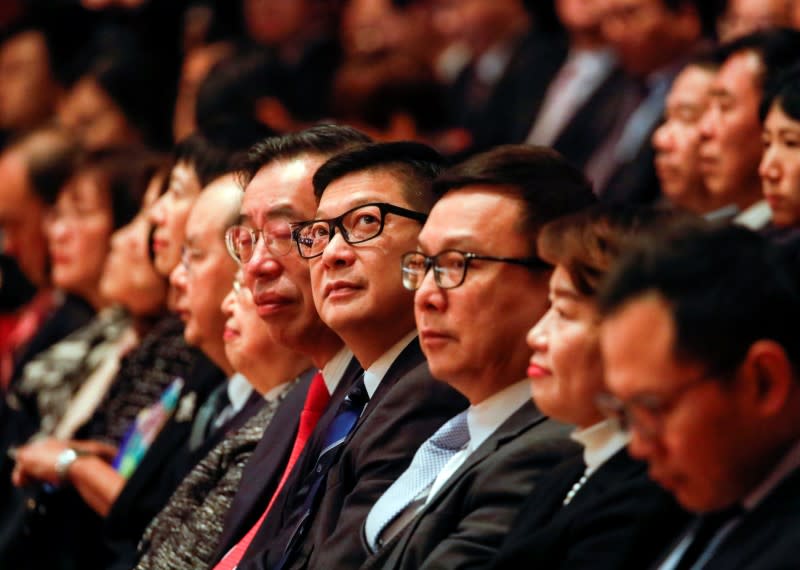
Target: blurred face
pixel 646 34
pixel 78 232
pixel 281 284
pixel 29 91
pixel 580 16
pixel 129 277
pixel 702 451
pixel 730 148
pixel 357 288
pixel 246 335
pixel 271 22
pixel 203 278
pixel 21 214
pixel 168 216
pixel 780 167
pixel 94 117
pixel 743 17
pixel 208 269
pixel 566 369
pixel 479 23
pixel 677 141
pixel 479 351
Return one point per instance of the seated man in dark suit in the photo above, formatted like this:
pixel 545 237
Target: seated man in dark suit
pixel 278 192
pixel 653 39
pixel 372 202
pixel 712 397
pixel 486 288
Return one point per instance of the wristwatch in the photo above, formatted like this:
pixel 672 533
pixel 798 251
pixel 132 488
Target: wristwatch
pixel 64 461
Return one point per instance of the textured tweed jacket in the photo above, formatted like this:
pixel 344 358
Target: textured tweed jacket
pixel 184 534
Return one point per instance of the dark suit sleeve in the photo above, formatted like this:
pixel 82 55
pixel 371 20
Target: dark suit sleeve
pixel 498 492
pixel 387 441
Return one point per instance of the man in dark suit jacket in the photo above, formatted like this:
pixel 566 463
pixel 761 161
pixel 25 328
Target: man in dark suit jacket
pixel 372 202
pixel 712 406
pixel 278 191
pixel 513 61
pixel 651 50
pixel 586 96
pixel 480 243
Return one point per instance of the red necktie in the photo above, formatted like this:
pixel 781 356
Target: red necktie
pixel 316 401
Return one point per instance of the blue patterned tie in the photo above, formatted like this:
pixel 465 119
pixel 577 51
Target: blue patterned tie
pixel 428 462
pixel 343 423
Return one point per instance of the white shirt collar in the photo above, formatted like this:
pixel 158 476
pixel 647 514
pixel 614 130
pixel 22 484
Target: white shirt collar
pixel 333 371
pixel 789 463
pixel 755 217
pixel 492 64
pixel 600 443
pixel 375 373
pixel 273 393
pixel 239 390
pixel 483 419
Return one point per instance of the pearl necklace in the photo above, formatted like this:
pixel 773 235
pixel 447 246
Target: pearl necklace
pixel 576 487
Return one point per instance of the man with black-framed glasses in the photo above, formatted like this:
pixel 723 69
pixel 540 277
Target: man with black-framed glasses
pixel 372 202
pixel 479 288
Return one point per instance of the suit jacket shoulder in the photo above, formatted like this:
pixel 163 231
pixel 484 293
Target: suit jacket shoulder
pixel 618 519
pixel 406 409
pixel 768 536
pixel 185 532
pixel 263 470
pixel 408 406
pixel 464 523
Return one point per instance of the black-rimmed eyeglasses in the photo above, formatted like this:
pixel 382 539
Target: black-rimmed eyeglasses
pixel 450 266
pixel 357 225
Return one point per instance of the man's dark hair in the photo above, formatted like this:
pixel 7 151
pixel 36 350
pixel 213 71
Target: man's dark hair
pixel 726 288
pixel 323 140
pixel 778 49
pixel 219 149
pixel 416 164
pixel 785 93
pixel 549 186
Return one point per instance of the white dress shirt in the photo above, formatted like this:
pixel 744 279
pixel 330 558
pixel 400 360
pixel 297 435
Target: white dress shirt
pixel 375 373
pixel 239 390
pixel 335 368
pixel 600 442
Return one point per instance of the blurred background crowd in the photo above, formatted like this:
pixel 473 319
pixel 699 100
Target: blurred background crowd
pixel 114 114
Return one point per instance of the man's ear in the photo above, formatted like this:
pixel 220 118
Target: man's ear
pixel 768 377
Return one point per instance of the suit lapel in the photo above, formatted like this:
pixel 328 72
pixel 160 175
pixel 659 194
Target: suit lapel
pixel 526 417
pixel 409 358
